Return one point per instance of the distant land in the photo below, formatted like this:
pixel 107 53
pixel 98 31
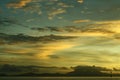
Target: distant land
pixel 79 71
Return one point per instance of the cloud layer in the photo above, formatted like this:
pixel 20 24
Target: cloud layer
pixel 60 32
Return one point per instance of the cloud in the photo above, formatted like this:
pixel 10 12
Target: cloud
pixel 57 29
pixel 54 56
pixel 17 51
pixel 80 1
pixel 87 30
pixel 39 29
pixel 110 25
pixel 35 54
pixel 64 5
pixel 53 13
pixel 26 5
pixel 95 30
pixel 94 35
pixel 21 38
pixel 33 9
pixel 6 21
pixel 52 29
pixel 40 47
pixel 89 50
pixel 53 48
pixel 80 21
pixel 91 56
pixel 52 7
pixel 36 51
pixel 10 21
pixel 19 4
pixel 69 29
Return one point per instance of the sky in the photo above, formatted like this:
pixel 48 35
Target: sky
pixel 60 33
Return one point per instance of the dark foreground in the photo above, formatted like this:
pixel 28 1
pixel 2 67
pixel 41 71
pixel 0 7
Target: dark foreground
pixel 59 78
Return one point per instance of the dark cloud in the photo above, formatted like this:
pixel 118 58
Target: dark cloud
pixel 6 21
pixel 87 28
pixel 99 30
pixel 116 36
pixel 4 61
pixel 21 38
pixel 58 29
pixel 54 56
pixel 10 21
pixel 52 29
pixel 39 29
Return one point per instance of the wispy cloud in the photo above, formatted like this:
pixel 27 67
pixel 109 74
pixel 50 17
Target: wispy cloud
pixel 80 1
pixel 53 13
pixel 110 25
pixel 81 21
pixel 88 29
pixel 10 21
pixel 7 21
pixel 35 6
pixel 19 4
pixel 21 38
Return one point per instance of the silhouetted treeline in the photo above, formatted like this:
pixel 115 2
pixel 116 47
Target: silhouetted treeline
pixel 12 70
pixel 89 71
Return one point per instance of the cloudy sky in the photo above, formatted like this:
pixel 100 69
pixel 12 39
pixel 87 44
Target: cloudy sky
pixel 60 33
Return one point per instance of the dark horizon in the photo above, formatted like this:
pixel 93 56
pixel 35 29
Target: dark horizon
pixel 80 71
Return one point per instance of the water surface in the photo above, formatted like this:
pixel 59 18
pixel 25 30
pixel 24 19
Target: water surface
pixel 59 78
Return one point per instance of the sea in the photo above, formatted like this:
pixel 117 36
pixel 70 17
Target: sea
pixel 59 78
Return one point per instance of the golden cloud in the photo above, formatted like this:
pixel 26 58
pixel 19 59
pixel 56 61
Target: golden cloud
pixel 110 25
pixel 55 12
pixel 80 21
pixel 80 1
pixel 53 48
pixel 19 4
